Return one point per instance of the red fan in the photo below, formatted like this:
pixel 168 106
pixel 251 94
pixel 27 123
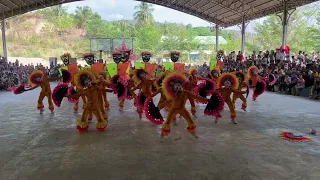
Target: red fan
pixel 71 91
pixel 19 90
pixel 114 81
pixel 140 100
pixel 272 80
pixel 215 105
pixel 59 93
pixel 152 112
pixel 260 88
pixel 66 76
pixel 121 88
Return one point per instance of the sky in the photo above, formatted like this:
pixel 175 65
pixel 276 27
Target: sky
pixel 124 9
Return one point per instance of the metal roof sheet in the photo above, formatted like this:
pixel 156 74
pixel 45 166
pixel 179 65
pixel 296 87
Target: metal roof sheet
pixel 222 12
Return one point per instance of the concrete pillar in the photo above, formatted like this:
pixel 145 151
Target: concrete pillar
pixel 4 40
pixel 243 36
pixel 217 37
pixel 285 24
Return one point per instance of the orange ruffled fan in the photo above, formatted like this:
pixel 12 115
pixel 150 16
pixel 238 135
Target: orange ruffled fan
pixel 167 84
pixel 34 75
pixel 158 82
pixel 251 69
pixel 228 77
pixel 81 76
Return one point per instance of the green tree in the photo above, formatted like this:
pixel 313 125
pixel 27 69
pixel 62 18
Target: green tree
pixel 143 14
pixel 82 15
pixel 300 35
pixel 147 38
pixel 179 39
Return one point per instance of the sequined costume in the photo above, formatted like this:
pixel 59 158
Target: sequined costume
pixel 145 86
pixel 177 99
pixel 238 95
pixel 39 79
pixel 190 86
pixel 85 79
pixel 84 101
pixel 93 106
pixel 228 84
pixel 256 82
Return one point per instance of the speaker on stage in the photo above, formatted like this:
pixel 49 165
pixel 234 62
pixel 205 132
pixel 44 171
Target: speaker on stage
pixel 73 61
pixel 53 61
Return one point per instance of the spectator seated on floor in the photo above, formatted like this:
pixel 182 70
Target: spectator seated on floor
pixel 299 86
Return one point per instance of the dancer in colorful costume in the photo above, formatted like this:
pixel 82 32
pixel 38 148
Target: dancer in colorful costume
pixel 145 86
pixel 242 78
pixel 256 82
pixel 191 85
pixel 85 79
pixel 130 94
pixel 214 74
pixel 177 96
pixel 227 84
pixel 103 84
pixel 38 78
pixel 83 97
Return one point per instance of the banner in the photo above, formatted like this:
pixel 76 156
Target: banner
pixel 122 69
pixel 97 67
pixel 213 63
pixel 112 69
pixel 73 68
pixel 150 68
pixel 179 67
pixel 220 65
pixel 168 65
pixel 139 65
pixel 62 67
pixel 53 61
pixel 73 61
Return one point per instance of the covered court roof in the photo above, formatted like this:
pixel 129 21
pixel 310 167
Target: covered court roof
pixel 222 12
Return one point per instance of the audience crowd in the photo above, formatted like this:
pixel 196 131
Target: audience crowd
pixel 294 74
pixel 13 74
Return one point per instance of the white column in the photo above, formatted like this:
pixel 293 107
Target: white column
pixel 4 40
pixel 217 37
pixel 285 25
pixel 243 36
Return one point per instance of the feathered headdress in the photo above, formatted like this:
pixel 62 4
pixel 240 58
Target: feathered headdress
pixel 65 58
pixel 228 77
pixel 169 81
pixel 32 79
pixel 252 69
pixel 175 55
pixel 158 82
pixel 146 56
pixel 82 76
pixel 89 58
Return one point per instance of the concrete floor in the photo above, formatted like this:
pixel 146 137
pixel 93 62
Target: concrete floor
pixel 34 146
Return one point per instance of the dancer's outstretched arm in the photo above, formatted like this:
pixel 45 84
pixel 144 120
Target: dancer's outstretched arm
pixel 30 89
pixel 196 97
